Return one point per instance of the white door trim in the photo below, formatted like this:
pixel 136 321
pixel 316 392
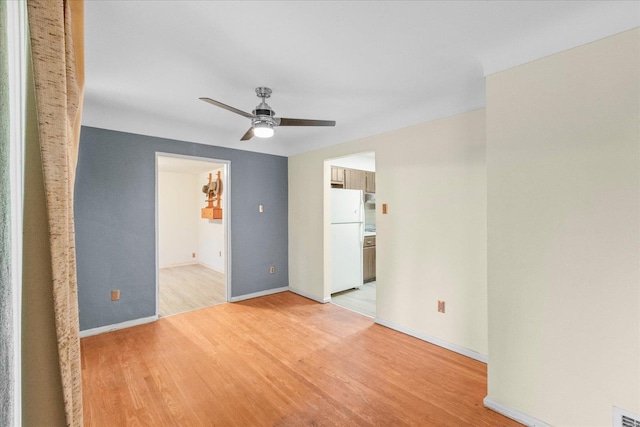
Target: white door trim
pixel 16 38
pixel 226 219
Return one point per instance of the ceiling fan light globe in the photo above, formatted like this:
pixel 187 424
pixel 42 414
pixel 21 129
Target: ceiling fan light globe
pixel 263 130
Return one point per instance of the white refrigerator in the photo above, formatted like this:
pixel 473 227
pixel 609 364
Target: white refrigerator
pixel 347 233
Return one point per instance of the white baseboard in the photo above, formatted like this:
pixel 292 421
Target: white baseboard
pixel 210 267
pixel 311 297
pixel 259 294
pixel 115 327
pixel 514 414
pixel 182 264
pixel 433 340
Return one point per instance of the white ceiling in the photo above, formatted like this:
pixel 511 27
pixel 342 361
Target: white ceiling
pixel 373 66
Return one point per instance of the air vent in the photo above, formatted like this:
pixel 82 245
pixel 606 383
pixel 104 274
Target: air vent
pixel 622 418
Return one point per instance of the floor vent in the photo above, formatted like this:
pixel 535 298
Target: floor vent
pixel 622 418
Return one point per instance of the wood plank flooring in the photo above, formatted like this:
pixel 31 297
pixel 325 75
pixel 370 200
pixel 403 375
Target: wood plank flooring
pixel 362 300
pixel 189 287
pixel 278 360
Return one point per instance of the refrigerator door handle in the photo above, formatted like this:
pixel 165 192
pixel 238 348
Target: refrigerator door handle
pixel 362 220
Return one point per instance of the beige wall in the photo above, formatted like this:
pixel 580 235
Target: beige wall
pixel 431 245
pixel 564 233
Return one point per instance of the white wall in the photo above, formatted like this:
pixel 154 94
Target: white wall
pixel 431 245
pixel 178 213
pixel 211 231
pixel 564 233
pixel 181 229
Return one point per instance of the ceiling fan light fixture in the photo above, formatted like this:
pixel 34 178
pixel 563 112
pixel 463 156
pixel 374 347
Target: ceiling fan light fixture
pixel 263 119
pixel 263 130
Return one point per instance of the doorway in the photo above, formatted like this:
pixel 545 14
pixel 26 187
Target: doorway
pixel 192 255
pixel 352 182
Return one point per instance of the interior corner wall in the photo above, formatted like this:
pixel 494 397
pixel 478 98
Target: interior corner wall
pixel 178 218
pixel 431 245
pixel 563 159
pixel 115 221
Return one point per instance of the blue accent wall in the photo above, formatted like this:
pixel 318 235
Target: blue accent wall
pixel 115 222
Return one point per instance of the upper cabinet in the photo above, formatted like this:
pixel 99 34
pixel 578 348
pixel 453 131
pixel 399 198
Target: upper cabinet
pixel 370 186
pixel 337 177
pixel 353 179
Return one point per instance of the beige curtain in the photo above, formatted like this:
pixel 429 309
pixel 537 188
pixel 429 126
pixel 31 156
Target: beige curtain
pixel 57 47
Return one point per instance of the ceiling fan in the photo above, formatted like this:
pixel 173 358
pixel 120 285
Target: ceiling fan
pixel 263 120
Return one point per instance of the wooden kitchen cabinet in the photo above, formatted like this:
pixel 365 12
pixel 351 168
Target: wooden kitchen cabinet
pixel 337 176
pixel 369 259
pixel 355 179
pixel 370 182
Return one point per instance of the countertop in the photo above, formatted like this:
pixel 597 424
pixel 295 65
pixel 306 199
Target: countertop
pixel 369 233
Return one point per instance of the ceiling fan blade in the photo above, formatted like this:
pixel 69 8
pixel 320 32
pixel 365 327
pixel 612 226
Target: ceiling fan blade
pixel 247 136
pixel 227 107
pixel 305 122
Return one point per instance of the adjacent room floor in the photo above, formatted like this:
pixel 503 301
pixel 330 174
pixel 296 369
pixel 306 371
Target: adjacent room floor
pixel 189 287
pixel 362 300
pixel 277 360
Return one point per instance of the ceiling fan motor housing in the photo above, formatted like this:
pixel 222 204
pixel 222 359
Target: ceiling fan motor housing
pixel 263 113
pixel 263 110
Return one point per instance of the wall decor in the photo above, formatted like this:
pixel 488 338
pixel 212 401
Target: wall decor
pixel 213 190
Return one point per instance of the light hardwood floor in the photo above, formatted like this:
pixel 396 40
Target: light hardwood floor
pixel 277 360
pixel 362 300
pixel 189 287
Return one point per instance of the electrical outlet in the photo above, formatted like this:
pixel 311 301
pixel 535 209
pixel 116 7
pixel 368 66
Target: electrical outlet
pixel 219 253
pixel 261 208
pixel 272 269
pixel 193 255
pixel 440 306
pixel 115 295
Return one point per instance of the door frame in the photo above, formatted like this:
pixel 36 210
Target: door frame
pixel 226 220
pixel 326 249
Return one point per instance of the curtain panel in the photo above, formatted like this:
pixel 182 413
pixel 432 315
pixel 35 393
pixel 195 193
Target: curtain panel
pixel 57 53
